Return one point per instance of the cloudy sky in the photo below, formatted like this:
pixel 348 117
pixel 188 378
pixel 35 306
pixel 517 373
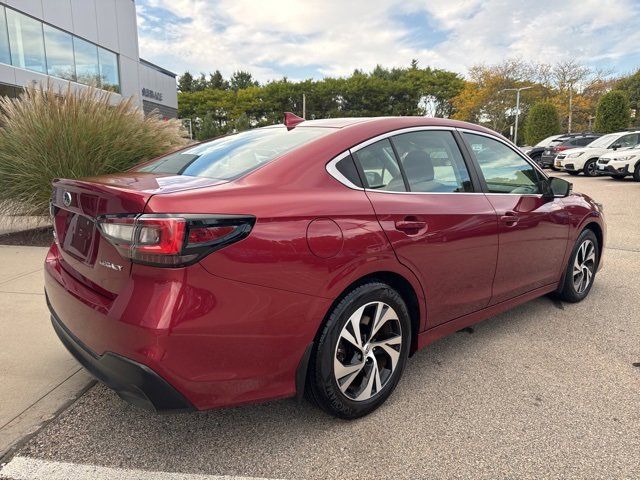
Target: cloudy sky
pixel 316 38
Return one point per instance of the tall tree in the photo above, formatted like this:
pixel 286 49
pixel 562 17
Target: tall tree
pixel 242 79
pixel 217 81
pixel 185 82
pixel 541 123
pixel 612 114
pixel 200 83
pixel 631 85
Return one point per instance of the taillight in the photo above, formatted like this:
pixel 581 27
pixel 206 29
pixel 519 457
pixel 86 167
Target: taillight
pixel 172 240
pixel 560 148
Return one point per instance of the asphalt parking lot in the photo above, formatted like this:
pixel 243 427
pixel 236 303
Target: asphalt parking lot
pixel 547 390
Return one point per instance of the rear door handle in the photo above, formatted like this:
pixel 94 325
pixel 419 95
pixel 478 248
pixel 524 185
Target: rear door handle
pixel 510 219
pixel 411 225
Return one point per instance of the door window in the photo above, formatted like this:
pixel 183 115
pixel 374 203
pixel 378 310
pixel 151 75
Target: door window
pixel 432 162
pixel 503 169
pixel 380 168
pixel 627 141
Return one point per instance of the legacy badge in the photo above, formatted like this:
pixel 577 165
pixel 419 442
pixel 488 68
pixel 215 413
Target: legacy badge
pixel 110 265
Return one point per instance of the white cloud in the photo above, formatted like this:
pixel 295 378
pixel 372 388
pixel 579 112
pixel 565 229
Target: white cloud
pixel 272 38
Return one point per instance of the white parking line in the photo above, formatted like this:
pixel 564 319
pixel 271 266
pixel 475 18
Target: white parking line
pixel 27 468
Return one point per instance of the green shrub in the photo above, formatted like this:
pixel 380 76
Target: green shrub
pixel 209 128
pixel 542 122
pixel 613 112
pixel 48 133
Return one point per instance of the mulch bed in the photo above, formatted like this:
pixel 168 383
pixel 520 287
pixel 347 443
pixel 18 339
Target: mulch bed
pixel 36 237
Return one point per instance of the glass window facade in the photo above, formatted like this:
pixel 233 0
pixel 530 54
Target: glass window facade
pixel 87 69
pixel 29 43
pixel 59 48
pixel 5 54
pixel 109 74
pixel 26 42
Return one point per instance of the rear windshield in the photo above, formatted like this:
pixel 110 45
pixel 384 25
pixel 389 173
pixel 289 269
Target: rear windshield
pixel 234 155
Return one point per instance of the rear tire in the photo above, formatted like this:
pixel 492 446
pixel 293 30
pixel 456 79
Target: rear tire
pixel 590 168
pixel 352 372
pixel 581 270
pixel 636 173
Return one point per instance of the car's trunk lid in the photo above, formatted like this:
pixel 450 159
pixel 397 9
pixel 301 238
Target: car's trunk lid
pixel 76 206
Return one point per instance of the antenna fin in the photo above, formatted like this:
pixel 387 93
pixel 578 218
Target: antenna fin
pixel 291 120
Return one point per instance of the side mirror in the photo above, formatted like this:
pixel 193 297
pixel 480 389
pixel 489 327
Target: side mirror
pixel 556 187
pixel 615 146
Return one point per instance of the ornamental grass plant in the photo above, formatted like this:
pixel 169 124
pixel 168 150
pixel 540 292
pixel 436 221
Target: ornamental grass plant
pixel 49 133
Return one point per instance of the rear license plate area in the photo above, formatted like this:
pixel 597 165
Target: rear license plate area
pixel 79 234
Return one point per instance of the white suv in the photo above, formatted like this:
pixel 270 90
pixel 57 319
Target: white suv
pixel 620 164
pixel 584 159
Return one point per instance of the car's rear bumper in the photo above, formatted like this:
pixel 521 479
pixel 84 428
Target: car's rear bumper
pixel 132 381
pixel 211 342
pixel 547 160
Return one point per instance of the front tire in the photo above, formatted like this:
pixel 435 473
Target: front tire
pixel 361 353
pixel 590 168
pixel 636 173
pixel 581 270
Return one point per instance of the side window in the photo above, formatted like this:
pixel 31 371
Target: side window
pixel 381 171
pixel 503 169
pixel 432 162
pixel 585 141
pixel 627 141
pixel 347 167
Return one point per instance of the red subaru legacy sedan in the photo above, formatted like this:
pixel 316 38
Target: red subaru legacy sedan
pixel 313 257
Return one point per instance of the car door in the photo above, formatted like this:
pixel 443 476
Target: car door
pixel 533 229
pixel 427 200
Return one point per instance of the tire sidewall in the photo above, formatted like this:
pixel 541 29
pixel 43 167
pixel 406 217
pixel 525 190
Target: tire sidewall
pixel 590 162
pixel 325 386
pixel 569 292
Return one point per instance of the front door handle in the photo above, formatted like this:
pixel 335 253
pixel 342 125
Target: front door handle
pixel 411 225
pixel 510 219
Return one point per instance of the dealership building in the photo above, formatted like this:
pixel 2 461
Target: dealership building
pixel 81 42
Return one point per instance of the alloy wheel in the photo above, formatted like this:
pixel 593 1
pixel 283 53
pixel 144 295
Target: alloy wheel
pixel 584 266
pixel 367 351
pixel 591 169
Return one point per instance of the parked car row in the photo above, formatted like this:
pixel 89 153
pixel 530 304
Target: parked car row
pixel 615 154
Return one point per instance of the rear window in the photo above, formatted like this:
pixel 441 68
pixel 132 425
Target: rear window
pixel 234 155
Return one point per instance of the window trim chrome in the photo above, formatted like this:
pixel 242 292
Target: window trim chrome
pixel 333 171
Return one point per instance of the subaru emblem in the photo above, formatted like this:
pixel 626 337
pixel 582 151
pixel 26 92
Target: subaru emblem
pixel 66 199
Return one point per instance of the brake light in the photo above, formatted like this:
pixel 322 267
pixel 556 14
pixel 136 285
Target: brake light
pixel 560 148
pixel 207 234
pixel 172 240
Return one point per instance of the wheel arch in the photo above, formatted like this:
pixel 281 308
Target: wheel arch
pixel 597 231
pixel 407 290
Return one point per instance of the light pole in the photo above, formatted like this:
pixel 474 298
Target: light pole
pixel 184 121
pixel 304 106
pixel 517 90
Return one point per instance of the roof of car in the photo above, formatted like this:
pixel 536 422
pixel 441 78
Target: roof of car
pixel 391 122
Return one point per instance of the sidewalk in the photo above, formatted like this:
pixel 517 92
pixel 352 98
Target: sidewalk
pixel 37 374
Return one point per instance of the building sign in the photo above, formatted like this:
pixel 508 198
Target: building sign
pixel 148 93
